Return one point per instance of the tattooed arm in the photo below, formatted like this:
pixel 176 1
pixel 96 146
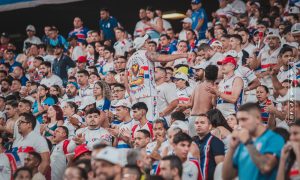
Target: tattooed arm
pixel 264 162
pixel 156 57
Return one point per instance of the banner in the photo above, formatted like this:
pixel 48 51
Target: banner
pixel 8 5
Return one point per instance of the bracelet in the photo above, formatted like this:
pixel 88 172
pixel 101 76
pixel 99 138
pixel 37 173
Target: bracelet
pixel 249 141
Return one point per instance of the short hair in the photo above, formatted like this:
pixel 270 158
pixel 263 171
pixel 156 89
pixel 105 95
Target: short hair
pixel 18 80
pixel 238 37
pixel 178 115
pixel 6 80
pixel 120 29
pixel 119 85
pixel 65 129
pixel 40 58
pixel 26 101
pixel 82 172
pixel 227 36
pixel 73 105
pixel 29 118
pixel 139 106
pixel 160 121
pixel 243 29
pixel 133 155
pixel 283 132
pixel 145 132
pixel 180 137
pixel 92 111
pixel 265 88
pixel 204 47
pixel 152 42
pixel 169 68
pixel 12 103
pixel 2 71
pixel 285 49
pixel 249 106
pixel 175 162
pixel 37 156
pixel 165 35
pixel 46 63
pixel 84 72
pixel 211 72
pixel 161 69
pixel 110 49
pixel 22 169
pixel 135 169
pixel 104 9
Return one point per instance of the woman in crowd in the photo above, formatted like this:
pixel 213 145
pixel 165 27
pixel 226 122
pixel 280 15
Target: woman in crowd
pixel 155 24
pixel 54 119
pixel 72 120
pixel 232 121
pixel 102 95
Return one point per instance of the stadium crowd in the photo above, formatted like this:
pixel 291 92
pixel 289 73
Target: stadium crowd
pixel 217 100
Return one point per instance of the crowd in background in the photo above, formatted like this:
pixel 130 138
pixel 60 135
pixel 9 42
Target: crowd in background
pixel 219 99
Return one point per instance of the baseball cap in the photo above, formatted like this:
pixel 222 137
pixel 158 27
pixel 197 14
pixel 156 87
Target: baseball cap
pixel 294 10
pixel 81 59
pixel 74 84
pixel 87 100
pixel 30 28
pixel 273 34
pixel 187 20
pixel 200 66
pixel 124 103
pixel 79 150
pixel 195 1
pixel 139 42
pixel 110 154
pixel 293 94
pixel 181 76
pixel 4 34
pixel 216 43
pixel 227 60
pixel 295 28
pixel 181 125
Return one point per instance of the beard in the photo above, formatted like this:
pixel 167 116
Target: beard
pixel 4 89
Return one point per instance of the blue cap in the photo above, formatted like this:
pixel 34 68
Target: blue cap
pixel 195 1
pixel 74 84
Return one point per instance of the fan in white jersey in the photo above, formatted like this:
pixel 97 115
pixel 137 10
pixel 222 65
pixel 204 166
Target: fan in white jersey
pixel 171 168
pixel 58 157
pixel 122 45
pixel 93 133
pixel 140 74
pixel 191 167
pixel 72 120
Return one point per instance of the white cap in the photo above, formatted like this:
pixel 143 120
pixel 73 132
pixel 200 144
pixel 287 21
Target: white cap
pixel 110 154
pixel 187 20
pixel 87 100
pixel 200 66
pixel 231 53
pixel 293 94
pixel 30 28
pixel 216 43
pixel 139 42
pixel 181 76
pixel 123 102
pixel 181 125
pixel 294 10
pixel 273 34
pixel 295 28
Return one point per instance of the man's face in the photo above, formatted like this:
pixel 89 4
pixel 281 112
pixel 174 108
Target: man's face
pixel 23 175
pixel 182 149
pixel 77 22
pixel 15 86
pixel 82 79
pixel 165 170
pixel 199 74
pixel 119 34
pixel 297 37
pixel 23 125
pixel 71 90
pixel 273 42
pixel 30 33
pixel 244 36
pixel 182 47
pixel 164 41
pixel 159 74
pixel 95 36
pixel 234 43
pixel 159 130
pixel 58 51
pixel 287 57
pixel 93 120
pixel 30 162
pixel 18 72
pixel 226 68
pixel 119 64
pixel 189 36
pixel 4 40
pixel 151 47
pixel 170 34
pixel 195 6
pixel 138 114
pixel 140 140
pixel 47 30
pixel 10 111
pixel 121 112
pixel 169 75
pixel 225 42
pixel 248 120
pixel 44 70
pixel 4 86
pixel 104 15
pixel 107 54
pixel 202 126
pixel 105 170
pixel 118 93
pixel 142 14
pixel 59 135
pixel 22 107
pixel 9 56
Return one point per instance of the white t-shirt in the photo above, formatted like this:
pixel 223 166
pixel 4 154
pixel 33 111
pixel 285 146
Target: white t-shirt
pixel 249 49
pixel 184 94
pixel 70 126
pixel 140 72
pixel 190 170
pixel 121 47
pixel 33 141
pixel 58 159
pixel 108 66
pixel 166 94
pixel 53 80
pixel 5 169
pixel 246 74
pixel 94 136
pixel 76 99
pixel 17 136
pixel 77 52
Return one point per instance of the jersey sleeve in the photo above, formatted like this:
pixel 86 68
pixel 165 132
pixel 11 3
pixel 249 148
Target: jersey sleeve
pixel 217 147
pixel 275 144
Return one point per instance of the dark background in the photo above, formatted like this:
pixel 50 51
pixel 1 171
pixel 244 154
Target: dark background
pixel 62 15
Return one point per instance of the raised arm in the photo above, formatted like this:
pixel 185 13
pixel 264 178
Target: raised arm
pixel 156 57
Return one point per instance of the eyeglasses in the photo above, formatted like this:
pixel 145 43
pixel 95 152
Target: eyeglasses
pixel 23 122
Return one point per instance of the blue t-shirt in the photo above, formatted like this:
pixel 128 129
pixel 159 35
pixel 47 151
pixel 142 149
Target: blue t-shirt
pixel 268 143
pixel 81 33
pixel 196 15
pixel 49 101
pixel 107 26
pixel 103 104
